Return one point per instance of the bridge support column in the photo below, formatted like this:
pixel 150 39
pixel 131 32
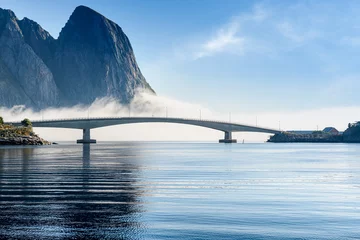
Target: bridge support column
pixel 228 138
pixel 86 137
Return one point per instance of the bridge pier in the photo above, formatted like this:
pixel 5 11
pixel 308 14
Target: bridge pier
pixel 228 138
pixel 86 137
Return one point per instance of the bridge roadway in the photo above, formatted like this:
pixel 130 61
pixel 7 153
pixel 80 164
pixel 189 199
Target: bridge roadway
pixel 89 123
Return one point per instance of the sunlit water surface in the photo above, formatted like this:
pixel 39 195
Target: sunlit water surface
pixel 180 191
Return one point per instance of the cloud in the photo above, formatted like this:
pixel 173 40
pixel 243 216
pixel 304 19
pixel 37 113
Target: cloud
pixel 226 39
pixel 229 37
pixel 143 104
pixel 271 29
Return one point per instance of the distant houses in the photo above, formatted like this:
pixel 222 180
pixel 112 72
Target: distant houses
pixel 331 130
pixel 327 130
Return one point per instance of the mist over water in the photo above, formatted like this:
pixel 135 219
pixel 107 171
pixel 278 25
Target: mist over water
pixel 148 105
pixel 144 190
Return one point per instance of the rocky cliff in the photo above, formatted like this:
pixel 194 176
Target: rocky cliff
pixel 91 58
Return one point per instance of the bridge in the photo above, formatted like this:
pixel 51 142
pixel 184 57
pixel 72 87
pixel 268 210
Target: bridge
pixel 90 123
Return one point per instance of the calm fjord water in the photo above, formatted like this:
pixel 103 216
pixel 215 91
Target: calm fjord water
pixel 180 191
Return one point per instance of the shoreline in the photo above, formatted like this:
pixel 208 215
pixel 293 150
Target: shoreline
pixel 23 141
pixel 12 136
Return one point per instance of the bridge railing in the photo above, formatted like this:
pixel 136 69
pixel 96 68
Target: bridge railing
pixel 119 118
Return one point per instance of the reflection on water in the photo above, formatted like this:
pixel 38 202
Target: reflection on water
pixel 66 197
pixel 180 191
pixel 86 155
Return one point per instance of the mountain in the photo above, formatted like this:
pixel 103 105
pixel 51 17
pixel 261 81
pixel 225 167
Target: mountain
pixel 92 58
pixel 24 77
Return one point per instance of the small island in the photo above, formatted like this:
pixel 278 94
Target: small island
pixel 328 135
pixel 22 135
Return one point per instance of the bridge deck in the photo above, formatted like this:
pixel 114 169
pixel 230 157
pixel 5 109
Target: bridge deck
pixel 90 123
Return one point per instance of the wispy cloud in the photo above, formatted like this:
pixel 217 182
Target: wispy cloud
pixel 226 39
pixel 229 37
pixel 269 29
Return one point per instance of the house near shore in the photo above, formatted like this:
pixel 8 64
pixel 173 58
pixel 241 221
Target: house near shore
pixel 331 130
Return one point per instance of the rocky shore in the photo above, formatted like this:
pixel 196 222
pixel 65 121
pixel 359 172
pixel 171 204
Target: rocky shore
pixel 285 137
pixel 351 135
pixel 10 135
pixel 23 140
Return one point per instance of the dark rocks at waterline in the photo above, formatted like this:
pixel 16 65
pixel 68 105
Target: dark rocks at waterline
pixel 10 135
pixel 286 137
pixel 23 140
pixel 92 58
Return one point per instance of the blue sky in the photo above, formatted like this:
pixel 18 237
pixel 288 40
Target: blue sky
pixel 233 55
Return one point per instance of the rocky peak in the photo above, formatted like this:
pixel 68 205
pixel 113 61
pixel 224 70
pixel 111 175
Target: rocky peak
pixel 24 73
pixel 95 57
pixel 5 16
pixel 91 28
pixel 29 26
pixel 39 40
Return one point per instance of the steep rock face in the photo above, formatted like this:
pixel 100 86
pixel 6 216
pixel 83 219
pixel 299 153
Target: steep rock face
pixel 11 93
pixel 38 39
pixel 29 74
pixel 94 58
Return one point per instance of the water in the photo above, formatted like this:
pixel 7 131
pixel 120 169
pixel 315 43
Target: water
pixel 180 191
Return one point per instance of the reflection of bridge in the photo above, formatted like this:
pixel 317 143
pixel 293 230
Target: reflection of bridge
pixel 89 123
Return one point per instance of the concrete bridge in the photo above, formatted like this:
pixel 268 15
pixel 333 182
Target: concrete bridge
pixel 89 123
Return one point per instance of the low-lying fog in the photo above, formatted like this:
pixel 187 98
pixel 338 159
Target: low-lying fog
pixel 149 105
